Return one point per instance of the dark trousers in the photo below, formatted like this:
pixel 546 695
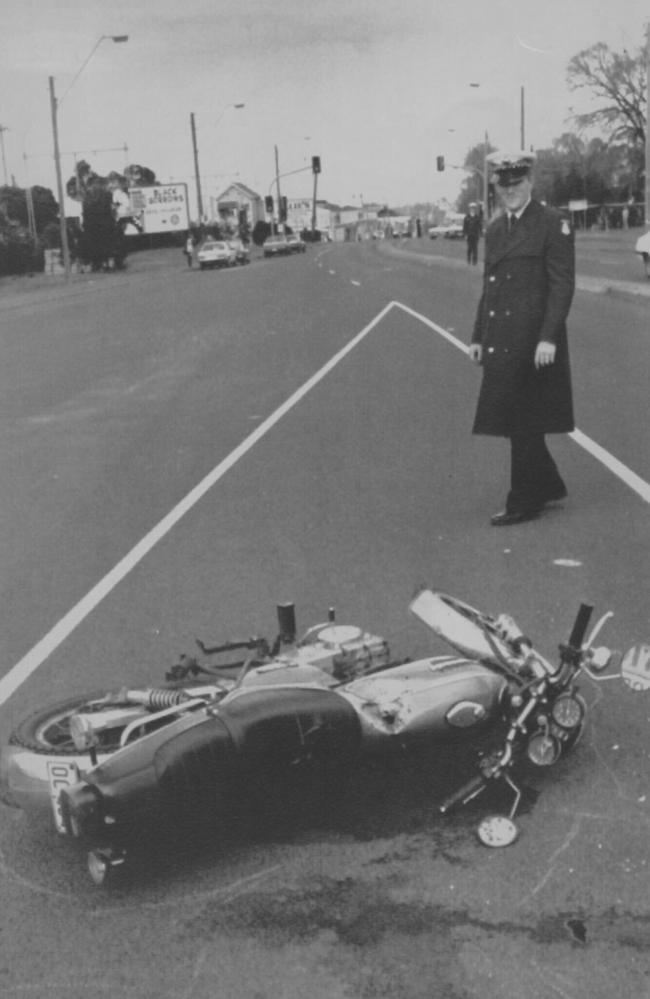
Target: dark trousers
pixel 472 251
pixel 534 478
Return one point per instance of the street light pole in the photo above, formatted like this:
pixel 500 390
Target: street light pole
pixel 65 249
pixel 197 174
pixel 54 106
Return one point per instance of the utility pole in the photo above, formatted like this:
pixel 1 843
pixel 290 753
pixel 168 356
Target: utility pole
pixel 486 189
pixel 3 129
pixel 65 249
pixel 277 182
pixel 197 175
pixel 523 120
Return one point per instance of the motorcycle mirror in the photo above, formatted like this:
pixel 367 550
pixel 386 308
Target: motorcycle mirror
pixel 600 659
pixel 497 831
pixel 635 667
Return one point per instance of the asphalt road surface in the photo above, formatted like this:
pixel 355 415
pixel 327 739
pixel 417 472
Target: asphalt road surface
pixel 180 452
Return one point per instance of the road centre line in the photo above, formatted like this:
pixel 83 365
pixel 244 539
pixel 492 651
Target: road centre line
pixel 34 658
pixel 612 464
pixel 30 662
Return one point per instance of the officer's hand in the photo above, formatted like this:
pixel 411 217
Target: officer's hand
pixel 545 354
pixel 475 353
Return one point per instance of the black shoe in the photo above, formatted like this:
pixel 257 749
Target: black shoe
pixel 507 517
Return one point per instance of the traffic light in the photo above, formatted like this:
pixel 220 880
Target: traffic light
pixel 268 204
pixel 440 163
pixel 283 208
pixel 315 164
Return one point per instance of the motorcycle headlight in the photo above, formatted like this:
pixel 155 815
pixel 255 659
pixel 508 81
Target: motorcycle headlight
pixel 543 749
pixel 568 711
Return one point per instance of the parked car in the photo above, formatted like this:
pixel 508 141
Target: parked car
pixel 643 249
pixel 241 251
pixel 296 244
pixel 449 228
pixel 437 230
pixel 276 245
pixel 215 253
pixel 454 227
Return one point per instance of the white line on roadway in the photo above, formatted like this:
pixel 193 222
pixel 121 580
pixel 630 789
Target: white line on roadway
pixel 39 652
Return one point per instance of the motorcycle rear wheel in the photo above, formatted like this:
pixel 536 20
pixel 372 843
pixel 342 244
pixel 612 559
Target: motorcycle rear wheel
pixel 47 731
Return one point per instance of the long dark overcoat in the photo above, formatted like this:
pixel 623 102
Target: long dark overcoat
pixel 528 286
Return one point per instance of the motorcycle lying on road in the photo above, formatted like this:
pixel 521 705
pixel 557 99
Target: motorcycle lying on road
pixel 111 766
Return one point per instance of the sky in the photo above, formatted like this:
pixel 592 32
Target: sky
pixel 376 88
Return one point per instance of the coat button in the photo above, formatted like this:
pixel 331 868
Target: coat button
pixel 507 312
pixel 490 350
pixel 491 312
pixel 492 277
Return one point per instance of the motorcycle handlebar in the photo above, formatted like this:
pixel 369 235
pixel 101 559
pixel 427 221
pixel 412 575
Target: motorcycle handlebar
pixel 580 626
pixel 467 791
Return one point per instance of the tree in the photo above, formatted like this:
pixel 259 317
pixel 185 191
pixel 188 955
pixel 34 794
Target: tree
pixel 618 83
pixel 473 188
pixel 13 205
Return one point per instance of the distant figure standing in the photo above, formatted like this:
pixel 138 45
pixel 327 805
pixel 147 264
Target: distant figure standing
pixel 472 232
pixel 189 249
pixel 520 338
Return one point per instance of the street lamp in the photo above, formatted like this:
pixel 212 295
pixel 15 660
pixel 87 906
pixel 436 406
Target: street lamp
pixel 195 149
pixel 54 105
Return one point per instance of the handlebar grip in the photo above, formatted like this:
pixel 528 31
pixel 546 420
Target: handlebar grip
pixel 467 791
pixel 580 626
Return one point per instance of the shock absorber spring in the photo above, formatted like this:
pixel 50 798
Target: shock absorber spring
pixel 159 699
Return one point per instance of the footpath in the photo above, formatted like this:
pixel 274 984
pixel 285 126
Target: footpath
pixel 606 262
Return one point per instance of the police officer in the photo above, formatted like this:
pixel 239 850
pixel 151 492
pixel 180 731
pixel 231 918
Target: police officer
pixel 520 337
pixel 472 232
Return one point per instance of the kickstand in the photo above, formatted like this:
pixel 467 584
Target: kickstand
pixel 514 787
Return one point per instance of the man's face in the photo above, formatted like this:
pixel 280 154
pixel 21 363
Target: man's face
pixel 515 192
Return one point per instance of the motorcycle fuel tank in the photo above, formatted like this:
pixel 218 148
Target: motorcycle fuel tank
pixel 426 699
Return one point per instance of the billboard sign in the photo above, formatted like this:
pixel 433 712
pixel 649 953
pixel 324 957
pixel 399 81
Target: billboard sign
pixel 160 208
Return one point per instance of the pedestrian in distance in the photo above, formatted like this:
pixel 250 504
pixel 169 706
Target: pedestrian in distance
pixel 520 337
pixel 189 249
pixel 472 232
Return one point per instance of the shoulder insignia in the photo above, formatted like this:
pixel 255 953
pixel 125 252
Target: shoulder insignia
pixel 565 228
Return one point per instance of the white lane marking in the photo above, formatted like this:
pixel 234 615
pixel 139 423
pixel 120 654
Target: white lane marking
pixel 624 473
pixel 612 464
pixel 434 326
pixel 39 652
pixel 357 283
